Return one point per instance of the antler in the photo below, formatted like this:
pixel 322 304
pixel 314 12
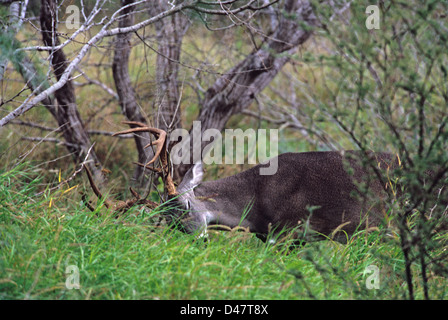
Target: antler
pixel 119 205
pixel 160 142
pixel 159 153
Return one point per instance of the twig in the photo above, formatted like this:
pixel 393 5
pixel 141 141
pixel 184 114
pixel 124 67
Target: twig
pixel 109 133
pixel 54 140
pixel 81 167
pixel 57 130
pixel 97 82
pixel 23 156
pixel 35 125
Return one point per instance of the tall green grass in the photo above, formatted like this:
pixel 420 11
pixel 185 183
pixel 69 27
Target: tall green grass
pixel 130 257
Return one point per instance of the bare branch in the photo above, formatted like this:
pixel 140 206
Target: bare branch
pixel 103 86
pixel 35 125
pixel 105 32
pixel 23 157
pixel 228 11
pixel 66 181
pixel 53 140
pixel 110 134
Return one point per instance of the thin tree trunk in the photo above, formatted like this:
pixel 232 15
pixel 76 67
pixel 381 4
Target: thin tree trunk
pixel 66 113
pixel 170 32
pixel 125 91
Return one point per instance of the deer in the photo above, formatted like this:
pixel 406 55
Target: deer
pixel 324 194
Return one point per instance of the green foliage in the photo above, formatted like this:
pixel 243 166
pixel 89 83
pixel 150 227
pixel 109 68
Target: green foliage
pixel 388 91
pixel 31 71
pixel 380 89
pixel 8 50
pixel 130 258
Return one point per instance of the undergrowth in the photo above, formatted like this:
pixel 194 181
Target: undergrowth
pixel 44 232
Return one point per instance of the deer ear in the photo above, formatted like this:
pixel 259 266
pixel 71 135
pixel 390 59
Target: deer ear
pixel 192 178
pixel 198 173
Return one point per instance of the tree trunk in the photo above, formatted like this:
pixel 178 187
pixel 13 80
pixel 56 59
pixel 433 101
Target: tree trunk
pixel 125 91
pixel 66 113
pixel 169 36
pixel 170 32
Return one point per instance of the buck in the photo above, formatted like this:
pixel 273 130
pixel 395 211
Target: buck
pixel 323 194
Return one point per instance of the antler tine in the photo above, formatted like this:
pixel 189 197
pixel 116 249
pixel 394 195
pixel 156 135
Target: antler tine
pixel 141 127
pixel 107 202
pixel 159 154
pixel 119 206
pixel 160 142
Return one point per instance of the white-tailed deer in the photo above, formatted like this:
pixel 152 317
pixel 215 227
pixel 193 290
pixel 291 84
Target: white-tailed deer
pixel 327 194
pixel 323 193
